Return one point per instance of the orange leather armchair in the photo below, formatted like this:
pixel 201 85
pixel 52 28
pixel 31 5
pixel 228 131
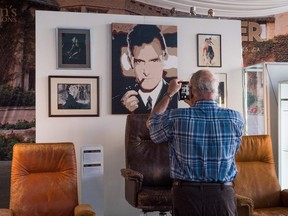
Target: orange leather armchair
pixel 147 173
pixel 256 185
pixel 44 181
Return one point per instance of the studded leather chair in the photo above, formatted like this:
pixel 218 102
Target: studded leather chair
pixel 147 173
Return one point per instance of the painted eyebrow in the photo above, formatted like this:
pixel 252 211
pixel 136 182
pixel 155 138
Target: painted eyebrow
pixel 149 60
pixel 139 60
pixel 155 59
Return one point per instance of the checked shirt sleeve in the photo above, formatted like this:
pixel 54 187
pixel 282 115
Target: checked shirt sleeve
pixel 159 127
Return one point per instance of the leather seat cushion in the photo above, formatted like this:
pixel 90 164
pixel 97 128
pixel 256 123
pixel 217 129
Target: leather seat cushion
pixel 150 197
pixel 277 211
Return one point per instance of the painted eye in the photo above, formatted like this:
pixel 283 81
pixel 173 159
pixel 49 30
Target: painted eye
pixel 136 61
pixel 155 60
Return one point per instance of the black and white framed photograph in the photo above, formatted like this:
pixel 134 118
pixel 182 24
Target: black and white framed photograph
pixel 73 48
pixel 209 50
pixel 222 89
pixel 73 96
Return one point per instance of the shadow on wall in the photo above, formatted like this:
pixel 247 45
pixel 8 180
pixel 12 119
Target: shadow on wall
pixel 5 167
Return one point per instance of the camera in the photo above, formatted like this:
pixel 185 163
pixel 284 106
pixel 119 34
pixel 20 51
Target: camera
pixel 184 91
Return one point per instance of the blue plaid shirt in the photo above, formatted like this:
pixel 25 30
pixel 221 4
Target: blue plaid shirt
pixel 203 141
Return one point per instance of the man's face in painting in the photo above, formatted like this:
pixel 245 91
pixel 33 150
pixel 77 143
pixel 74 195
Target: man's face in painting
pixel 148 64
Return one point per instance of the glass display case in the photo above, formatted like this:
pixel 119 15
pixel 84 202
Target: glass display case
pixel 255 100
pixel 283 135
pixel 266 109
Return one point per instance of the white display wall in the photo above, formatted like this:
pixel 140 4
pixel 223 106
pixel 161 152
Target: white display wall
pixel 107 130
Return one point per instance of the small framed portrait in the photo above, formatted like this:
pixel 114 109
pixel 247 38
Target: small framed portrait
pixel 209 50
pixel 222 89
pixel 73 48
pixel 73 96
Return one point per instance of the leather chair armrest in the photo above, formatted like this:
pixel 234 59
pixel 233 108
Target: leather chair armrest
pixel 6 212
pixel 245 205
pixel 84 210
pixel 132 175
pixel 284 197
pixel 133 184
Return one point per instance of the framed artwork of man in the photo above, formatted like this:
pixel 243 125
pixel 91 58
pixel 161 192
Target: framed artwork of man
pixel 73 48
pixel 144 60
pixel 71 96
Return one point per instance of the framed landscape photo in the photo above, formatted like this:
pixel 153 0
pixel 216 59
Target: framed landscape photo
pixel 73 48
pixel 222 90
pixel 73 96
pixel 209 50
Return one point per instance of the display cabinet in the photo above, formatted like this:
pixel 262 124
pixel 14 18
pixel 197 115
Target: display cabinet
pixel 283 133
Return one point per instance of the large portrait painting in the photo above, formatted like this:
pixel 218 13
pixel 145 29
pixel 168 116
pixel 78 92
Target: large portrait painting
pixel 144 60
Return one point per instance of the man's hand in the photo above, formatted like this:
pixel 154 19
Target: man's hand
pixel 174 86
pixel 130 101
pixel 162 105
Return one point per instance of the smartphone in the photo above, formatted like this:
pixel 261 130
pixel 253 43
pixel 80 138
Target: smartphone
pixel 184 91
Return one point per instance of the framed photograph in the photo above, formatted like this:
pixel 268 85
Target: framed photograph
pixel 73 96
pixel 209 50
pixel 222 89
pixel 73 48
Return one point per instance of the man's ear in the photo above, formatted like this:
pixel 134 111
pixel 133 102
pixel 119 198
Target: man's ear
pixel 130 60
pixel 165 55
pixel 190 93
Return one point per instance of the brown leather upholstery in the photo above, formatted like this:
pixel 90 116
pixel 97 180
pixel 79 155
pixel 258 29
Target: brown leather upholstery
pixel 148 183
pixel 256 183
pixel 147 173
pixel 44 181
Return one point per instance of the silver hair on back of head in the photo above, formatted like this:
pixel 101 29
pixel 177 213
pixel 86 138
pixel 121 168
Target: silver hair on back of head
pixel 204 82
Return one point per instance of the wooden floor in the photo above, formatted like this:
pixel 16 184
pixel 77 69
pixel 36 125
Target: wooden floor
pixel 5 172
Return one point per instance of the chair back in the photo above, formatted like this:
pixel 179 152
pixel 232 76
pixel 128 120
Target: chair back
pixel 257 177
pixel 43 179
pixel 143 155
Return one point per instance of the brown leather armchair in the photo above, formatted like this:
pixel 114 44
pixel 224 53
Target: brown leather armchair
pixel 256 185
pixel 44 181
pixel 147 173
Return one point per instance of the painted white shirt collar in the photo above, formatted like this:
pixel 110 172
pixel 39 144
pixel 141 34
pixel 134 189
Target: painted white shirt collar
pixel 154 94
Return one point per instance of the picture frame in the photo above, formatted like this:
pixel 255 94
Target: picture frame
pixel 209 50
pixel 222 89
pixel 73 48
pixel 73 96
